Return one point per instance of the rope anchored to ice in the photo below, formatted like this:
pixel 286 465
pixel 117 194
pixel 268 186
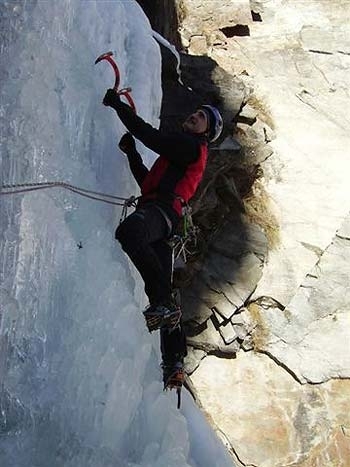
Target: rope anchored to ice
pixel 17 188
pixel 183 245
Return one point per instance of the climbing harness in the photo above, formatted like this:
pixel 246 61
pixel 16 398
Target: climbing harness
pixel 108 56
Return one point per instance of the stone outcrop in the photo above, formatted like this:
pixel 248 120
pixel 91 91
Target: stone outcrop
pixel 311 336
pixel 268 290
pixel 268 419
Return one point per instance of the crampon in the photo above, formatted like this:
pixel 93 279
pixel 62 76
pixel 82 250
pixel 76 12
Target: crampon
pixel 173 378
pixel 162 317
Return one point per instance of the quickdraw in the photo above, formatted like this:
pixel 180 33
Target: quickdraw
pixel 128 203
pixel 108 56
pixel 184 244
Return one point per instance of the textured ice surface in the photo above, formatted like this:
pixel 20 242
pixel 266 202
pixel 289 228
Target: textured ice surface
pixel 80 384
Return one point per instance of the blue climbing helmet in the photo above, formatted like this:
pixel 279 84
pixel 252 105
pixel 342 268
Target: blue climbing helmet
pixel 215 122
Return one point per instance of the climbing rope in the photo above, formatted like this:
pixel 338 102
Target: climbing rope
pixel 183 244
pixel 11 189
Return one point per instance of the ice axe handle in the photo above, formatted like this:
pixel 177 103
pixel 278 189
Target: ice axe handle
pixel 126 92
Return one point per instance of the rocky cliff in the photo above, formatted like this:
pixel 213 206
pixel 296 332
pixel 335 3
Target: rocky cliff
pixel 266 296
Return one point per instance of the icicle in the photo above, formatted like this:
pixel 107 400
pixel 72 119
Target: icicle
pixel 172 49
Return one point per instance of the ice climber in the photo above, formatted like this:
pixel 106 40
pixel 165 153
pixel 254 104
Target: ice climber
pixel 172 181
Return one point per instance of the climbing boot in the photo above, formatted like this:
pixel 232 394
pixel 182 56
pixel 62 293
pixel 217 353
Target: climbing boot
pixel 173 375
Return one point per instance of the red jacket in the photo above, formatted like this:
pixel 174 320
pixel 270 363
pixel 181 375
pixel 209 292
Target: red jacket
pixel 165 178
pixel 176 174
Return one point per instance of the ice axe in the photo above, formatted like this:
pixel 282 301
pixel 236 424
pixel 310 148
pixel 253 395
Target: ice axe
pixel 122 92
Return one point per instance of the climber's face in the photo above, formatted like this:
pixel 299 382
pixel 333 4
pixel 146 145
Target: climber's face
pixel 196 123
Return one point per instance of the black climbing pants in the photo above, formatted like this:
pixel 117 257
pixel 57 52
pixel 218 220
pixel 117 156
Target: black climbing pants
pixel 143 236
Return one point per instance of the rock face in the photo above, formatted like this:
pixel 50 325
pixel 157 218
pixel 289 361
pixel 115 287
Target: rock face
pixel 269 419
pixel 272 285
pixel 311 336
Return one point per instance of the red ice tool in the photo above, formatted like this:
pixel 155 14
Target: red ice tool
pixel 123 92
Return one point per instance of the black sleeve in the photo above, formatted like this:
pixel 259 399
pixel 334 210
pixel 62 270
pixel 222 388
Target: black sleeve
pixel 137 167
pixel 179 148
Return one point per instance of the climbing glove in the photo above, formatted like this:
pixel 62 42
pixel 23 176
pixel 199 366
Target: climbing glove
pixel 127 143
pixel 111 98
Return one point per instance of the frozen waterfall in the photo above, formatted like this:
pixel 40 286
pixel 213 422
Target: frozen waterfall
pixel 80 384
